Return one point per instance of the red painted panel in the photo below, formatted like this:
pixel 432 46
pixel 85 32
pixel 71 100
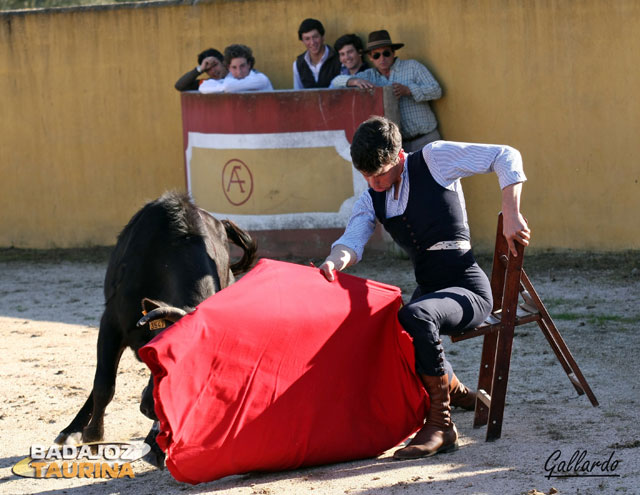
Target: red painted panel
pixel 279 111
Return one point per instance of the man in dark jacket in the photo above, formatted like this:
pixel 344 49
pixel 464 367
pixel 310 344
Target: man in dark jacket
pixel 418 200
pixel 319 64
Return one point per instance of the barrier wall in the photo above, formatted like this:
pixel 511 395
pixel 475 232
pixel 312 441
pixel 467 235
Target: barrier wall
pixel 279 161
pixel 90 124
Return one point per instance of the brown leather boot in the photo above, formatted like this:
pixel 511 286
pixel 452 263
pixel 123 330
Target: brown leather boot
pixel 461 396
pixel 438 434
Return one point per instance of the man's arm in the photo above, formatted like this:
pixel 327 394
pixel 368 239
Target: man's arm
pixel 340 81
pixel 211 86
pixel 189 81
pixel 297 82
pixel 514 225
pixel 255 81
pixel 348 249
pixel 365 80
pixel 422 86
pixel 340 258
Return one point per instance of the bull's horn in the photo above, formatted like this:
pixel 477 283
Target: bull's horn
pixel 165 312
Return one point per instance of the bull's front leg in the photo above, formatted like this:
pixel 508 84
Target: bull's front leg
pixel 155 456
pixel 72 434
pixel 110 348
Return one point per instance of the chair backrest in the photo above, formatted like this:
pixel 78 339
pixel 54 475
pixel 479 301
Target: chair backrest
pixel 505 276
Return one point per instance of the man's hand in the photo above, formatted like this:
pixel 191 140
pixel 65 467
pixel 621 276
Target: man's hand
pixel 206 64
pixel 340 257
pixel 514 225
pixel 400 90
pixel 515 229
pixel 327 268
pixel 356 82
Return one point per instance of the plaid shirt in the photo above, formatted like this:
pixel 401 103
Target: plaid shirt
pixel 415 112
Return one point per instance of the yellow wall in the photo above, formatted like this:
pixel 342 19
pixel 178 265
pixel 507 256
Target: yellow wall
pixel 91 124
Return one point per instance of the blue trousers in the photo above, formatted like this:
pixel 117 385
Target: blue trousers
pixel 447 311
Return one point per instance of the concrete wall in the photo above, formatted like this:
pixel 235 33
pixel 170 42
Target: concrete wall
pixel 91 124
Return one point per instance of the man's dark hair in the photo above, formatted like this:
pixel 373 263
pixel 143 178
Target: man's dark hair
pixel 238 51
pixel 376 142
pixel 309 25
pixel 210 52
pixel 349 39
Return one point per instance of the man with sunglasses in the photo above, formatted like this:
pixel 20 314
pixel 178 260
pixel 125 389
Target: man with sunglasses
pixel 412 83
pixel 419 201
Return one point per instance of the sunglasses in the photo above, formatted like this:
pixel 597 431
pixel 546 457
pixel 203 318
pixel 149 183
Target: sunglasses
pixel 386 54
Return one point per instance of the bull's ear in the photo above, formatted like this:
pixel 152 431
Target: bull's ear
pixel 149 305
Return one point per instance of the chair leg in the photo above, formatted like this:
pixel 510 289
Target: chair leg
pixel 558 345
pixel 500 380
pixel 487 363
pixel 575 375
pixel 553 342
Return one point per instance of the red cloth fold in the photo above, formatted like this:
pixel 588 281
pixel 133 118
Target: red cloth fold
pixel 283 369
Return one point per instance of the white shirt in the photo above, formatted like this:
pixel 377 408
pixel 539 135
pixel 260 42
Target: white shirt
pixel 315 69
pixel 255 81
pixel 448 162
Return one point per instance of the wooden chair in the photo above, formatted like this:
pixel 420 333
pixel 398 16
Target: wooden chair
pixel 509 283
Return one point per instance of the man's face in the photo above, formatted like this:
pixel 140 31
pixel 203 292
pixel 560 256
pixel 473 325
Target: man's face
pixel 239 67
pixel 313 41
pixel 382 58
pixel 350 57
pixel 217 70
pixel 386 176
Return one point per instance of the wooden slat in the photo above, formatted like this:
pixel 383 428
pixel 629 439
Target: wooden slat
pixel 484 397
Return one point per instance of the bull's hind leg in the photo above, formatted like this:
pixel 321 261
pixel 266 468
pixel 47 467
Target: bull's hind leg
pixel 110 347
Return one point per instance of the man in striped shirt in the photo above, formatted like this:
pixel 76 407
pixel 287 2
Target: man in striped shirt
pixel 419 201
pixel 413 85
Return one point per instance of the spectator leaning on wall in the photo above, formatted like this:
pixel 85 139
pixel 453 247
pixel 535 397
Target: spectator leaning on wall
pixel 211 63
pixel 350 51
pixel 319 64
pixel 412 83
pixel 241 77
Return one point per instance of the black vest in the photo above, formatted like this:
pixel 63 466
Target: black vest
pixel 330 69
pixel 433 214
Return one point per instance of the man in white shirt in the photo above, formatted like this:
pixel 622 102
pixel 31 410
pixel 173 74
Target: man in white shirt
pixel 241 77
pixel 418 199
pixel 319 64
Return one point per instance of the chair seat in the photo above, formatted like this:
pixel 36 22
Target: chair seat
pixel 524 314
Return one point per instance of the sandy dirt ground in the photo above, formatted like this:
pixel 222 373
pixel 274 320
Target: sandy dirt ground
pixel 50 308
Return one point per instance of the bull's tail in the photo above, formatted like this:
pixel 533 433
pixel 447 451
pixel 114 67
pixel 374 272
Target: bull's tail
pixel 243 240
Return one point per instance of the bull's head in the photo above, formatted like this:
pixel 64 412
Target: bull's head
pixel 158 316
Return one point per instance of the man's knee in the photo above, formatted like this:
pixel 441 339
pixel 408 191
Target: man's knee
pixel 414 320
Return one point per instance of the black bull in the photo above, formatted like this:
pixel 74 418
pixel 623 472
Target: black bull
pixel 170 257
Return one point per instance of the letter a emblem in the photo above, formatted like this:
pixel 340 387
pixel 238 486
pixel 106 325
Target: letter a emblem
pixel 237 182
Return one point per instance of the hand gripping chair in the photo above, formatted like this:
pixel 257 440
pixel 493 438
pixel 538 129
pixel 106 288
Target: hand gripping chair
pixel 509 286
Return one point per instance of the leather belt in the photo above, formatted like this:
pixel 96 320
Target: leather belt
pixel 439 246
